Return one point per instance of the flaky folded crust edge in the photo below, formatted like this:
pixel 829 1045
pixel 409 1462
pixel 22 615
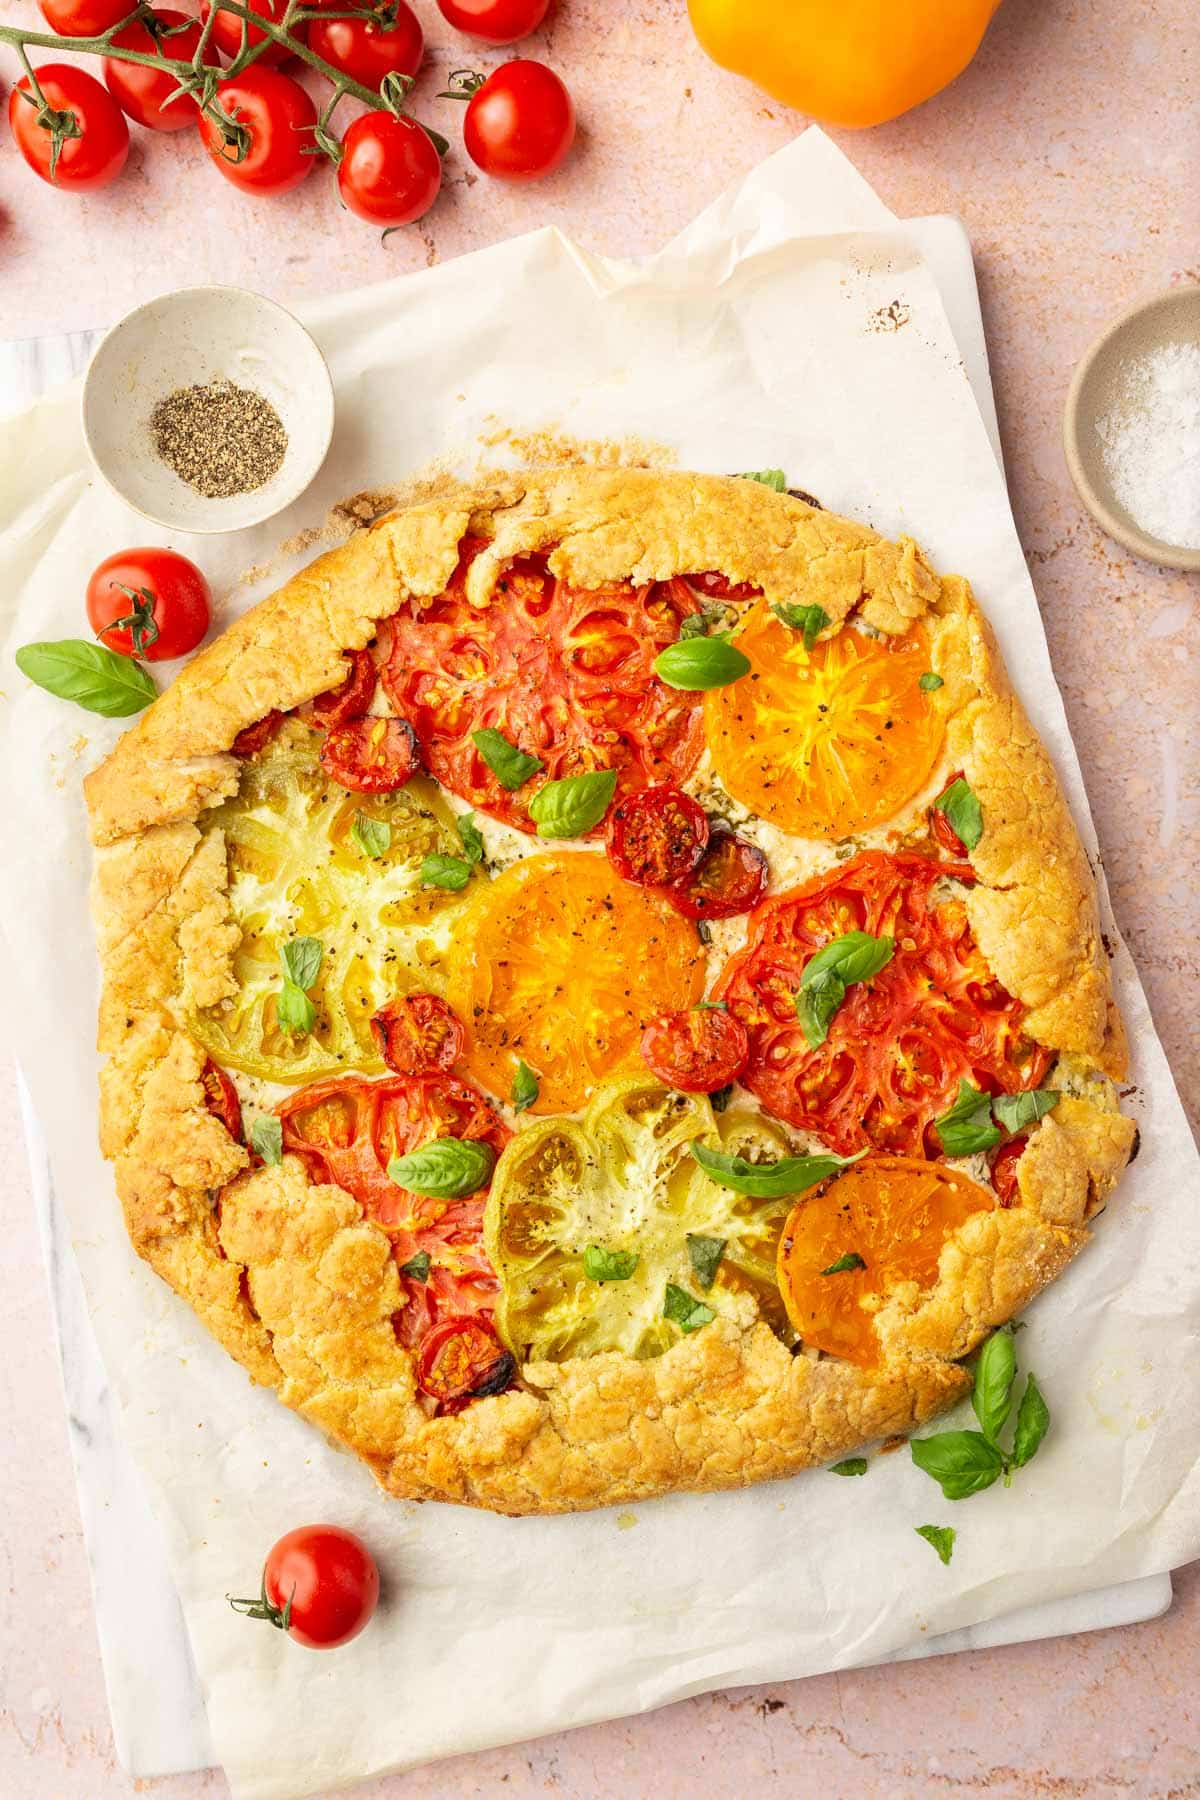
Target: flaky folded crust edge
pixel 288 1275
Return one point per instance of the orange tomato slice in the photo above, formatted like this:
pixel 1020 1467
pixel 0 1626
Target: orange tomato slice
pixel 895 1212
pixel 563 966
pixel 828 741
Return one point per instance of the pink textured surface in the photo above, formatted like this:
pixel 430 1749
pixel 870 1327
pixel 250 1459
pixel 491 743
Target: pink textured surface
pixel 1070 149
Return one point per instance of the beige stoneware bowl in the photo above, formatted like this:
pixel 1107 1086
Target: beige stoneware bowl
pixel 1170 318
pixel 192 337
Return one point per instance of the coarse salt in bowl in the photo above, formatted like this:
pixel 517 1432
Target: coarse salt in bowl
pixel 194 338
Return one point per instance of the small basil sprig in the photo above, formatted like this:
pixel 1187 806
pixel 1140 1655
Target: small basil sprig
pixel 963 812
pixel 700 624
pixel 769 1181
pixel 266 1138
pixel 373 836
pixel 568 808
pixel 696 664
pixel 966 1462
pixel 856 956
pixel 447 1168
pixel 967 1128
pixel 685 1310
pixel 510 766
pixel 91 675
pixel 470 837
pixel 704 1254
pixel 850 1465
pixel 940 1536
pixel 807 619
pixel 845 1264
pixel 609 1265
pixel 525 1087
pixel 1016 1111
pixel 442 871
pixel 772 478
pixel 301 959
pixel 417 1267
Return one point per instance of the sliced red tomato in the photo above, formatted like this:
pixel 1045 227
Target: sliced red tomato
pixel 730 878
pixel 351 698
pixel 257 736
pixel 697 1051
pixel 418 1034
pixel 899 1044
pixel 564 673
pixel 719 587
pixel 461 1360
pixel 656 837
pixel 940 825
pixel 221 1098
pixel 371 755
pixel 1004 1169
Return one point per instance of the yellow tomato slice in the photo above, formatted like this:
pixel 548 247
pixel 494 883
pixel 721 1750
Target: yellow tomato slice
pixel 563 965
pixel 893 1212
pixel 828 741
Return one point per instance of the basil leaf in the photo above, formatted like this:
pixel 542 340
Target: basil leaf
pixel 940 1536
pixel 963 1462
pixel 1016 1111
pixel 967 1127
pixel 452 872
pixel 509 765
pixel 373 836
pixel 470 837
pixel 417 1267
pixel 772 478
pixel 684 1310
pixel 609 1265
pixel 301 959
pixel 525 1087
pixel 294 1011
pixel 929 682
pixel 856 956
pixel 844 1264
pixel 698 624
pixel 808 619
pixel 1033 1422
pixel 816 1005
pixel 769 1181
pixel 995 1372
pixel 447 1168
pixel 719 1099
pixel 696 664
pixel 852 1465
pixel 266 1137
pixel 91 675
pixel 568 808
pixel 704 1254
pixel 963 811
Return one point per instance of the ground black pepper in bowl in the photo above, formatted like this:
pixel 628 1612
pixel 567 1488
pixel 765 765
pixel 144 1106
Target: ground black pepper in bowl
pixel 219 438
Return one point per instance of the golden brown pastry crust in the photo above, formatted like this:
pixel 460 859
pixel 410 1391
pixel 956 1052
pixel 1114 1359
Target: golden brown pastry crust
pixel 290 1277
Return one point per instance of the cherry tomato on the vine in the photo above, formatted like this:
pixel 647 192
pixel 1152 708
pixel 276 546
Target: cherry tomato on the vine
pixel 141 91
pixel 495 21
pixel 520 122
pixel 84 122
pixel 83 18
pixel 279 119
pixel 389 173
pixel 148 602
pixel 227 29
pixel 319 1584
pixel 384 39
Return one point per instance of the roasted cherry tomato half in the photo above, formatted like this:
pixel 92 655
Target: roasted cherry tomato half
pixel 731 878
pixel 227 29
pixel 418 1034
pixel 940 825
pixel 462 1359
pixel 148 602
pixel 371 755
pixel 256 737
pixel 280 119
pixel 390 173
pixel 95 155
pixel 351 698
pixel 657 836
pixel 221 1098
pixel 520 123
pixel 319 1584
pixel 384 39
pixel 142 92
pixel 697 1051
pixel 1004 1169
pixel 83 18
pixel 495 21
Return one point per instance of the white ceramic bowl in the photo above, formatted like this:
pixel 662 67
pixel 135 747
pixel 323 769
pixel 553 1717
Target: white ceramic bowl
pixel 190 338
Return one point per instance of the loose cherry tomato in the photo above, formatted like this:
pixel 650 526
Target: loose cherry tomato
pixel 319 1584
pixel 221 1098
pixel 390 172
pixel 371 755
pixel 140 91
pixel 731 878
pixel 94 153
pixel 495 21
pixel 657 836
pixel 942 829
pixel 227 30
pixel 257 736
pixel 697 1051
pixel 384 39
pixel 417 1034
pixel 351 698
pixel 278 118
pixel 520 123
pixel 83 18
pixel 1004 1169
pixel 148 602
pixel 462 1359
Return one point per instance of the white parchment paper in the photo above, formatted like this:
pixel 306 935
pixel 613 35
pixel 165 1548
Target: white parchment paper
pixel 791 325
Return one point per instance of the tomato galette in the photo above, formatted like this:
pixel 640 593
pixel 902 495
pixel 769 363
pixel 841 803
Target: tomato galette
pixel 601 990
